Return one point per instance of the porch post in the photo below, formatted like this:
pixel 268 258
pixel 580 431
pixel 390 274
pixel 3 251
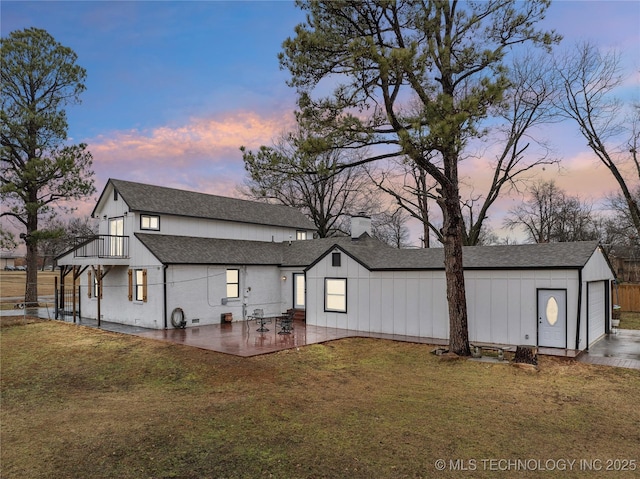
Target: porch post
pixel 55 296
pixel 73 293
pixel 61 296
pixel 99 295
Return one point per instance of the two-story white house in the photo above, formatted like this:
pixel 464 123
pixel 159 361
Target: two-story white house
pixel 160 250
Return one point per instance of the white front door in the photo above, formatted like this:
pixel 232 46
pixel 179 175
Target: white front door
pixel 552 318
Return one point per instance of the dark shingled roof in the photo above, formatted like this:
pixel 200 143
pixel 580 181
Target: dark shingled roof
pixel 191 250
pixel 161 200
pixel 370 252
pixel 529 256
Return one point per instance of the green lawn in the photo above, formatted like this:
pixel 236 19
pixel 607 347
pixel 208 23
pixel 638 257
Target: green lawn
pixel 85 403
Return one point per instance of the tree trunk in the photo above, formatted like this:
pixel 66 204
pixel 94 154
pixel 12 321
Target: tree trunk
pixel 526 355
pixel 454 273
pixel 31 287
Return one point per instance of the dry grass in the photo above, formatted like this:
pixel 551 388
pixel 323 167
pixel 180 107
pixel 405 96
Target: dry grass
pixel 630 320
pixel 12 285
pixel 79 402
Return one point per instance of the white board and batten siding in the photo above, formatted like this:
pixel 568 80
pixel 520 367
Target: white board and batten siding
pixel 115 305
pixel 201 292
pixel 391 302
pixel 502 304
pixel 212 228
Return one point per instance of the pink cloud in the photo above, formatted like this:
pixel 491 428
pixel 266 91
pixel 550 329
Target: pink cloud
pixel 211 139
pixel 201 155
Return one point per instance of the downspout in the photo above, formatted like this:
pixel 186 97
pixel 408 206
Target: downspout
pixel 164 294
pixel 579 312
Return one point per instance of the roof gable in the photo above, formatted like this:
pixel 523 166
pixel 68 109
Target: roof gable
pixel 146 198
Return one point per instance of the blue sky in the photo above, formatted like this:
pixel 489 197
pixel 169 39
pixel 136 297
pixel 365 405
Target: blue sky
pixel 175 88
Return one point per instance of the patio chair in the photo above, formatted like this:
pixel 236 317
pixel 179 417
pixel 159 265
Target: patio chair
pixel 286 323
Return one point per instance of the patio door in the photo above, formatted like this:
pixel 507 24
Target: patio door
pixel 552 318
pixel 116 240
pixel 298 291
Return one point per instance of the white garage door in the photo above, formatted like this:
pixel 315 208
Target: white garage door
pixel 596 310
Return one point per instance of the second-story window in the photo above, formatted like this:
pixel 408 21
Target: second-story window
pixel 301 235
pixel 150 222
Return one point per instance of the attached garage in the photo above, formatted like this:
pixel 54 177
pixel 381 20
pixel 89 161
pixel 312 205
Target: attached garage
pixel 551 295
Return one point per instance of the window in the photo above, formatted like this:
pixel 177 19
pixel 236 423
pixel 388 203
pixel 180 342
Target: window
pixel 233 283
pixel 141 285
pixel 301 235
pixel 94 286
pixel 298 290
pixel 138 285
pixel 335 295
pixel 149 222
pixel 551 313
pixel 335 259
pixel 91 286
pixel 116 238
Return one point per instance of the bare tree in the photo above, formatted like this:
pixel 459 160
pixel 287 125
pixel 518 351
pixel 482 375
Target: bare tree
pixel 58 236
pixel 590 78
pixel 550 215
pixel 618 228
pixel 391 228
pixel 413 190
pixel 527 103
pixel 284 174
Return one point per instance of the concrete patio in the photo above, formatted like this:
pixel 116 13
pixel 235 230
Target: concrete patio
pixel 241 338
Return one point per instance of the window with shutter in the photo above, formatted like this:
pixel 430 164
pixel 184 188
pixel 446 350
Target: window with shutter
pixel 140 286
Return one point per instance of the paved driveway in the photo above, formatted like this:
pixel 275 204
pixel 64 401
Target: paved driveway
pixel 621 349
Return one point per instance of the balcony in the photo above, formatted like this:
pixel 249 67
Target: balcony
pixel 110 249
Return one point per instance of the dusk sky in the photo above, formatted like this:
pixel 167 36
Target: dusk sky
pixel 175 88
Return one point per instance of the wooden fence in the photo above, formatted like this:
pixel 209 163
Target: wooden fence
pixel 627 296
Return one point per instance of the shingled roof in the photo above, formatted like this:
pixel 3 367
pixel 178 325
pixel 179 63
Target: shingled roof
pixel 171 249
pixel 370 252
pixel 145 198
pixel 529 256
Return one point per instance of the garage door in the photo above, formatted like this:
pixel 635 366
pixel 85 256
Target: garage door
pixel 596 311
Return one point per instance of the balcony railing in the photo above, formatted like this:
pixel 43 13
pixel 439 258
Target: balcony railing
pixel 102 246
